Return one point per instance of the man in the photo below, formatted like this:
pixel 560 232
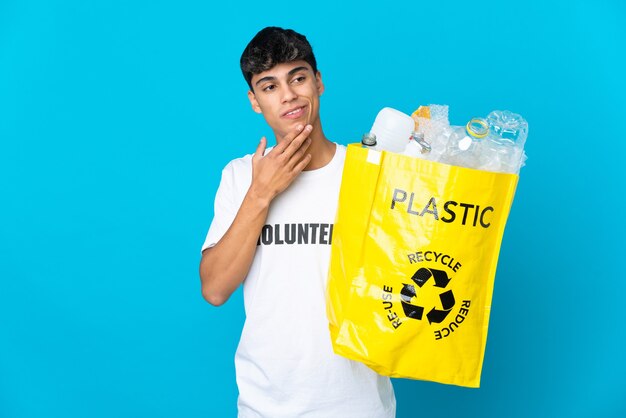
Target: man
pixel 272 232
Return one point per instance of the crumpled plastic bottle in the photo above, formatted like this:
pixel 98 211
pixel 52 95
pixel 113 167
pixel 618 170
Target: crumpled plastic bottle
pixel 503 149
pixel 508 128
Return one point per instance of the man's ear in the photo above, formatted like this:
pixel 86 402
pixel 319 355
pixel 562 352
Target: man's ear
pixel 253 102
pixel 319 83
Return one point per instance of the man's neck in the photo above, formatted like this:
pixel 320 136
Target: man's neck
pixel 321 149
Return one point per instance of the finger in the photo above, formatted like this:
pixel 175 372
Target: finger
pixel 302 164
pixel 298 141
pixel 299 154
pixel 260 149
pixel 288 139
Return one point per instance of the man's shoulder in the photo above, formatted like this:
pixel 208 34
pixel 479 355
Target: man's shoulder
pixel 241 166
pixel 340 153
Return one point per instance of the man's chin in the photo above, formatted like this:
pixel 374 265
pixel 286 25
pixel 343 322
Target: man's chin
pixel 289 127
pixel 287 130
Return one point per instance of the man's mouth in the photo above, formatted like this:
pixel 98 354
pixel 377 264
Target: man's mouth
pixel 295 113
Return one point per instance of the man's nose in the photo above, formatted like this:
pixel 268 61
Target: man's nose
pixel 289 94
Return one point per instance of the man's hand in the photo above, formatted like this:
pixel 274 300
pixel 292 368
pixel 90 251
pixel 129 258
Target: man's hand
pixel 224 266
pixel 273 173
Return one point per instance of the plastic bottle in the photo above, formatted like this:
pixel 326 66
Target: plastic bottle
pixel 463 145
pixel 392 129
pixel 503 149
pixel 507 128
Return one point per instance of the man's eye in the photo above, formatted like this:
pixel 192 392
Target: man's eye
pixel 269 87
pixel 299 79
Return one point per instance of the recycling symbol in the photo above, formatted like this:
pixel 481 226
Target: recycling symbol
pixel 420 278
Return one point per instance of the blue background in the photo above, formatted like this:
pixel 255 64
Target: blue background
pixel 116 118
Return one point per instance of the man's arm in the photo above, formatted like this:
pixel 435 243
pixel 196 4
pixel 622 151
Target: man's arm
pixel 224 266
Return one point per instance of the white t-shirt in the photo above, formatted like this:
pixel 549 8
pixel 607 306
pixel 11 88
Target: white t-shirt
pixel 285 364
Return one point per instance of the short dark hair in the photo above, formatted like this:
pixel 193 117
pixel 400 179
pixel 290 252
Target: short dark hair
pixel 273 46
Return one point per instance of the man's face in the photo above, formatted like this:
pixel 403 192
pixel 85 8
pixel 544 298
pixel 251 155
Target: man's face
pixel 287 95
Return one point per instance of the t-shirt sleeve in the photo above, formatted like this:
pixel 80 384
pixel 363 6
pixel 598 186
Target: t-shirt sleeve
pixel 226 208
